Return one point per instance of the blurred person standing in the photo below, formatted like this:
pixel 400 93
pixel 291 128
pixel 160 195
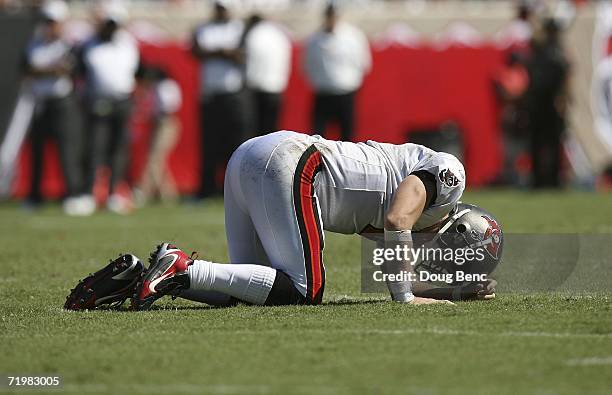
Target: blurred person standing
pixel 225 109
pixel 109 62
pixel 546 104
pixel 511 82
pixel 164 94
pixel 337 58
pixel 268 64
pixel 48 66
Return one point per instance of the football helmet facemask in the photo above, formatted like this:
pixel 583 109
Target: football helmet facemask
pixel 468 227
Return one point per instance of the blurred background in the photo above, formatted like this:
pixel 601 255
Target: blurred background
pixel 114 104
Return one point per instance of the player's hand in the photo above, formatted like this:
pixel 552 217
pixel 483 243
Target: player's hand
pixel 486 290
pixel 418 300
pixel 480 291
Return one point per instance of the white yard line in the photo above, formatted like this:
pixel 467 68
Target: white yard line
pixel 436 331
pixel 169 388
pixel 404 331
pixel 591 361
pixel 222 389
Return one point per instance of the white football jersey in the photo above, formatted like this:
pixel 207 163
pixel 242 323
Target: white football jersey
pixel 359 180
pixel 271 217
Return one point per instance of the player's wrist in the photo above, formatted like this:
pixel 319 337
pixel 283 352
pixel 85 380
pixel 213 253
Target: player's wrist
pixel 401 291
pixel 398 236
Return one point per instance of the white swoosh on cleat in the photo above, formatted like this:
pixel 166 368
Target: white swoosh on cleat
pixel 164 276
pixel 154 283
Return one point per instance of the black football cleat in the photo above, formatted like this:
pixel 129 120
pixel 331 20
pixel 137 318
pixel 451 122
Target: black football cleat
pixel 111 285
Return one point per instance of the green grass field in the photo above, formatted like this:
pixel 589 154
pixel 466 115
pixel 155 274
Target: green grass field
pixel 355 343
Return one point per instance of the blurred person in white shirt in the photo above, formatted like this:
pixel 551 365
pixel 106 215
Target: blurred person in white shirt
pixel 225 110
pixel 109 61
pixel 49 63
pixel 268 64
pixel 337 58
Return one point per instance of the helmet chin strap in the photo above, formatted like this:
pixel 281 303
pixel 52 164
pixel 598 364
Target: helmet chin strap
pixel 449 222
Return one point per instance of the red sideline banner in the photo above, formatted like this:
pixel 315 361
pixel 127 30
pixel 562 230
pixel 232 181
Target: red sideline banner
pixel 408 88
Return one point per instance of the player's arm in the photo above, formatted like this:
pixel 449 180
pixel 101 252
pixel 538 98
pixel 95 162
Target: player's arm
pixel 471 291
pixel 59 69
pixel 199 52
pixel 408 203
pixel 234 55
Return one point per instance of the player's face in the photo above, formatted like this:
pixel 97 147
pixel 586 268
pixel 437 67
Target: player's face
pixel 107 29
pixel 221 13
pixel 53 29
pixel 330 22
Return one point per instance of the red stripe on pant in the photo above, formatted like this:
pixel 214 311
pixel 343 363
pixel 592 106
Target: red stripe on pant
pixel 310 226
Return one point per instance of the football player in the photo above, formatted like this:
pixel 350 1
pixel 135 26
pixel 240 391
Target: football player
pixel 283 189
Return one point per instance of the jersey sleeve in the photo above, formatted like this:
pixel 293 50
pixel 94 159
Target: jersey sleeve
pixel 450 182
pixel 431 186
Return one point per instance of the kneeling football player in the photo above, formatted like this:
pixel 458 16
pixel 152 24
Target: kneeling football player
pixel 283 189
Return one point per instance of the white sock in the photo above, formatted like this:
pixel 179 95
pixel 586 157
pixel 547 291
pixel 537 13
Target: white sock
pixel 250 283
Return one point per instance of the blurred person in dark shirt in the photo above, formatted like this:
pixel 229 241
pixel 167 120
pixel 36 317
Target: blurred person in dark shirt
pixel 546 104
pixel 511 83
pixel 48 66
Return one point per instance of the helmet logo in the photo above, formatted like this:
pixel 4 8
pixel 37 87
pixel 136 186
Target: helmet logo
pixel 493 237
pixel 448 178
